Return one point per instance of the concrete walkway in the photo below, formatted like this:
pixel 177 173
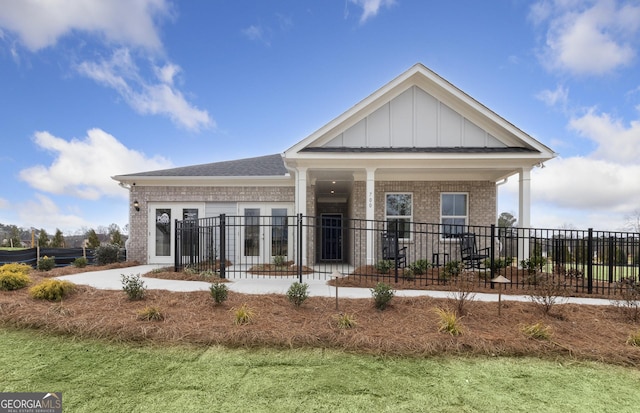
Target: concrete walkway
pixel 111 280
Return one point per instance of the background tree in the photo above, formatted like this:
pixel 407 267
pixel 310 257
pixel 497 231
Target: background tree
pixel 12 237
pixel 115 235
pixel 43 239
pixel 92 239
pixel 632 221
pixel 506 220
pixel 58 239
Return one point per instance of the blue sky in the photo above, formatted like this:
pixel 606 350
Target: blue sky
pixel 90 89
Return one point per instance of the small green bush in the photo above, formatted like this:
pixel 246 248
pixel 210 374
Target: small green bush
pixel 279 260
pixel 451 269
pixel 297 293
pixel 80 262
pixel 150 314
pixel 13 280
pixel 384 266
pixel 382 295
pixel 133 286
pixel 420 267
pixel 219 292
pixel 243 315
pixel 46 263
pixel 52 290
pixel 107 254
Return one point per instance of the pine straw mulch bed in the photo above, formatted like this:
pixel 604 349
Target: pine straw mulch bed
pixel 409 327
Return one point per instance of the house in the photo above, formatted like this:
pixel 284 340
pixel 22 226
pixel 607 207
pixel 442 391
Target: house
pixel 416 150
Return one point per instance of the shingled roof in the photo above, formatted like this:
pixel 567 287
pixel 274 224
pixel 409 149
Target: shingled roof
pixel 269 165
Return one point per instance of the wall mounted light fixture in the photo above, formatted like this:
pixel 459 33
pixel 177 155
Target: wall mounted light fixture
pixel 136 205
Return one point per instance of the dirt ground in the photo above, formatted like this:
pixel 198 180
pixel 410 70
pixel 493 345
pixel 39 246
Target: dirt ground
pixel 408 327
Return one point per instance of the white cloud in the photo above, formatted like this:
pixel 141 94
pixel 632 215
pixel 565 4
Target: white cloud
pixel 158 97
pixel 597 190
pixel 616 143
pixel 587 37
pixel 44 213
pixel 83 168
pixel 560 96
pixel 40 24
pixel 4 204
pixel 370 8
pixel 256 33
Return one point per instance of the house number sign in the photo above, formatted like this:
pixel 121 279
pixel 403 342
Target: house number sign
pixel 370 200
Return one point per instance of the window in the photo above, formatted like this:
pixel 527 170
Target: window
pixel 454 213
pixel 398 214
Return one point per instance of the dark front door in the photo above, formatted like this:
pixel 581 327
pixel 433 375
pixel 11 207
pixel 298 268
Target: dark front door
pixel 331 233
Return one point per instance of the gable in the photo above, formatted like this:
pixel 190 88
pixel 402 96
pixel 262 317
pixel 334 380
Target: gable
pixel 414 119
pixel 420 112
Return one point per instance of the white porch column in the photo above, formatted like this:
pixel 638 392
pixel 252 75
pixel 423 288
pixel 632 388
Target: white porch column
pixel 301 206
pixel 524 212
pixel 370 214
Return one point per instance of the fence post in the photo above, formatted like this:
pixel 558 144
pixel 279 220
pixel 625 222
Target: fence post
pixel 590 262
pixel 299 246
pixel 223 246
pixel 492 252
pixel 612 257
pixel 176 253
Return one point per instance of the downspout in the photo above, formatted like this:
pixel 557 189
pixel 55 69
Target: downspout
pixel 504 181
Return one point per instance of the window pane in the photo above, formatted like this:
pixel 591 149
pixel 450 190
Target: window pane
pixel 398 204
pixel 454 204
pixel 163 232
pixel 399 227
pixel 453 226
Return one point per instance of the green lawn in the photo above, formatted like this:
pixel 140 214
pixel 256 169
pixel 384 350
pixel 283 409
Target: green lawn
pixel 100 377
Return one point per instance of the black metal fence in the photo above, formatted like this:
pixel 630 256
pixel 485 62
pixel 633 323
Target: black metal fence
pixel 415 254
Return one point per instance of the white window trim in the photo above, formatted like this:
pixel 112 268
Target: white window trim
pixel 409 217
pixel 466 217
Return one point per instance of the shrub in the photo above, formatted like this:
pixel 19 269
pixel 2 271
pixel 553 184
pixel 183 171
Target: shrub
pixel 133 286
pixel 219 292
pixel 451 269
pixel 243 315
pixel 345 321
pixel 280 261
pixel 80 262
pixel 208 274
pixel 537 331
pixel 548 291
pixel 420 267
pixel 408 274
pixel 382 295
pixel 107 254
pixel 150 314
pixel 13 280
pixel 634 339
pixel 15 268
pixel 384 266
pixel 629 302
pixel 297 293
pixel 448 322
pixel 498 263
pixel 533 264
pixel 463 291
pixel 52 290
pixel 46 263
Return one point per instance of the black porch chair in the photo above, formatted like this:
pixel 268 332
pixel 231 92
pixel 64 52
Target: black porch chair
pixel 471 256
pixel 391 250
